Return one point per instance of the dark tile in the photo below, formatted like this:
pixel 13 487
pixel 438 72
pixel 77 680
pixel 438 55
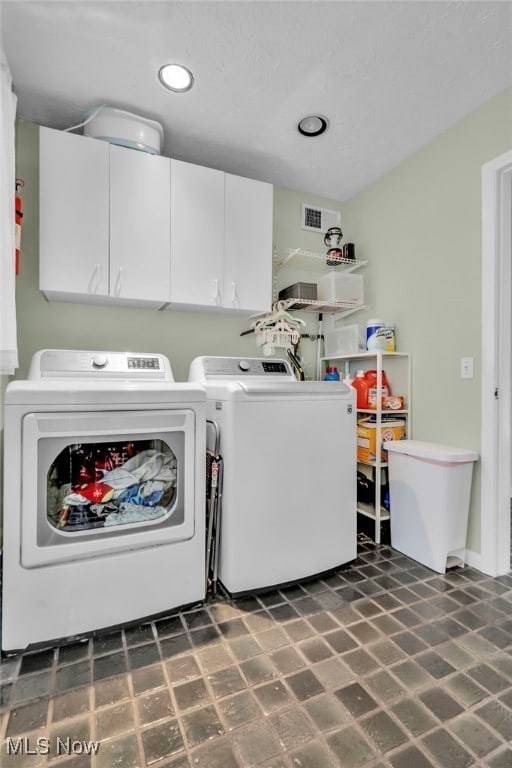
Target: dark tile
pixel 173 646
pixel 110 690
pixel 409 643
pixel 446 750
pixel 498 717
pixel 113 721
pixel 31 687
pixel 326 712
pixel 245 647
pixel 411 757
pixel 226 681
pixel 170 626
pixel 72 652
pixel 35 662
pixel 431 635
pixel 284 612
pixel 293 593
pixel 143 655
pixel 364 632
pixel 205 636
pixel 349 594
pixel 360 662
pixel 147 678
pixel 122 751
pixel 73 676
pixel 272 696
pixel 154 706
pixel 414 716
pixel 383 731
pixel 322 622
pixel 190 694
pixel 386 624
pixel 239 709
pixel 315 649
pixel 488 678
pixel 340 641
pixel 435 665
pixel 201 725
pixel 292 728
pixel 307 606
pixel 107 643
pixel 162 740
pixel 474 734
pixel 139 635
pixel 440 703
pixel 183 668
pixel 27 717
pixel 105 666
pixel 70 704
pixel 271 598
pixel 411 675
pixel 496 636
pixel 196 619
pixel 287 660
pixel 350 748
pixel 312 755
pixel 465 689
pixel 233 628
pixel 5 696
pixel 298 630
pixel 258 669
pixel 383 685
pixel 304 684
pixel 356 699
pixel 272 638
pixel 502 759
pixel 217 755
pixel 256 743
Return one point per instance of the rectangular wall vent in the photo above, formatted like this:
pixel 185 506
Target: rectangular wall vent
pixel 316 219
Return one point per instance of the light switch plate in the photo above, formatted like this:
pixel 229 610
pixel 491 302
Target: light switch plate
pixel 466 367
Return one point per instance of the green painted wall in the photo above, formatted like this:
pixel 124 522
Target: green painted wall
pixel 419 226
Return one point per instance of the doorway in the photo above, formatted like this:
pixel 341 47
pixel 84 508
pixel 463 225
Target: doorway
pixel 496 449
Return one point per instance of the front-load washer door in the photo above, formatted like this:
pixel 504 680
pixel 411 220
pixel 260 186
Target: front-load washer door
pixel 97 483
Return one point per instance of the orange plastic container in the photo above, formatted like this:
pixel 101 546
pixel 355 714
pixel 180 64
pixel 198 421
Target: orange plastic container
pixel 361 386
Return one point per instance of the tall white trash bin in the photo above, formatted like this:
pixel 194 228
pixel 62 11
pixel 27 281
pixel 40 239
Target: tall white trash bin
pixel 429 490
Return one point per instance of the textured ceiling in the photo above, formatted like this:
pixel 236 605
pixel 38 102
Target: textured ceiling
pixel 390 76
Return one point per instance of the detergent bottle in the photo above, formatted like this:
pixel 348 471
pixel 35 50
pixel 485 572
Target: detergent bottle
pixel 371 381
pixel 361 386
pixel 331 373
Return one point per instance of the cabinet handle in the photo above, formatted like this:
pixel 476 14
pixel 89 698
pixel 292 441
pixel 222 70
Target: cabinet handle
pixel 94 282
pixel 217 296
pixel 234 295
pixel 119 282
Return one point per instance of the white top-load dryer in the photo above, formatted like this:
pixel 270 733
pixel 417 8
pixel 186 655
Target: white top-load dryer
pixel 104 489
pixel 289 490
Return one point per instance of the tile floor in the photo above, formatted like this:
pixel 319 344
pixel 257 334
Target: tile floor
pixel 385 664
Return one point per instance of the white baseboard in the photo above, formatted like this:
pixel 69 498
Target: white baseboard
pixel 474 559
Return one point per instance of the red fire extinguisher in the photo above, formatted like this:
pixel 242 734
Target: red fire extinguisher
pixel 18 214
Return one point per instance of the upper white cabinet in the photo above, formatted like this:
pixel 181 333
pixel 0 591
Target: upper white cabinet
pixel 197 235
pixel 104 222
pixel 248 244
pixel 221 240
pixel 73 216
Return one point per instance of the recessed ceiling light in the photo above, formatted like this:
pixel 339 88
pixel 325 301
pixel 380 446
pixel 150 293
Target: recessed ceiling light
pixel 312 125
pixel 176 78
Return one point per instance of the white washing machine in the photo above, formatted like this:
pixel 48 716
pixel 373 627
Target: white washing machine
pixel 104 495
pixel 289 489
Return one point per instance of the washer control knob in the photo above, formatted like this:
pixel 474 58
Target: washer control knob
pixel 99 361
pixel 244 365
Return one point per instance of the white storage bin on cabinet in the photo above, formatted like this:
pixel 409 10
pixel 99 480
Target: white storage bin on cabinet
pixel 430 487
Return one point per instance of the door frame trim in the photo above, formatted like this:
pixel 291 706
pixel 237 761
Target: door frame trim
pixel 496 391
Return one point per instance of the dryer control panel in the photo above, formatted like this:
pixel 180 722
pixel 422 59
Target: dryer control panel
pixel 78 364
pixel 239 368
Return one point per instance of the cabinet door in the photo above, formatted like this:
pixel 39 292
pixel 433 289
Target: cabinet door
pixel 197 235
pixel 73 216
pixel 139 226
pixel 248 244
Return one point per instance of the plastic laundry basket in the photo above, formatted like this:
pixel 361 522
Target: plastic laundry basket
pixel 429 489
